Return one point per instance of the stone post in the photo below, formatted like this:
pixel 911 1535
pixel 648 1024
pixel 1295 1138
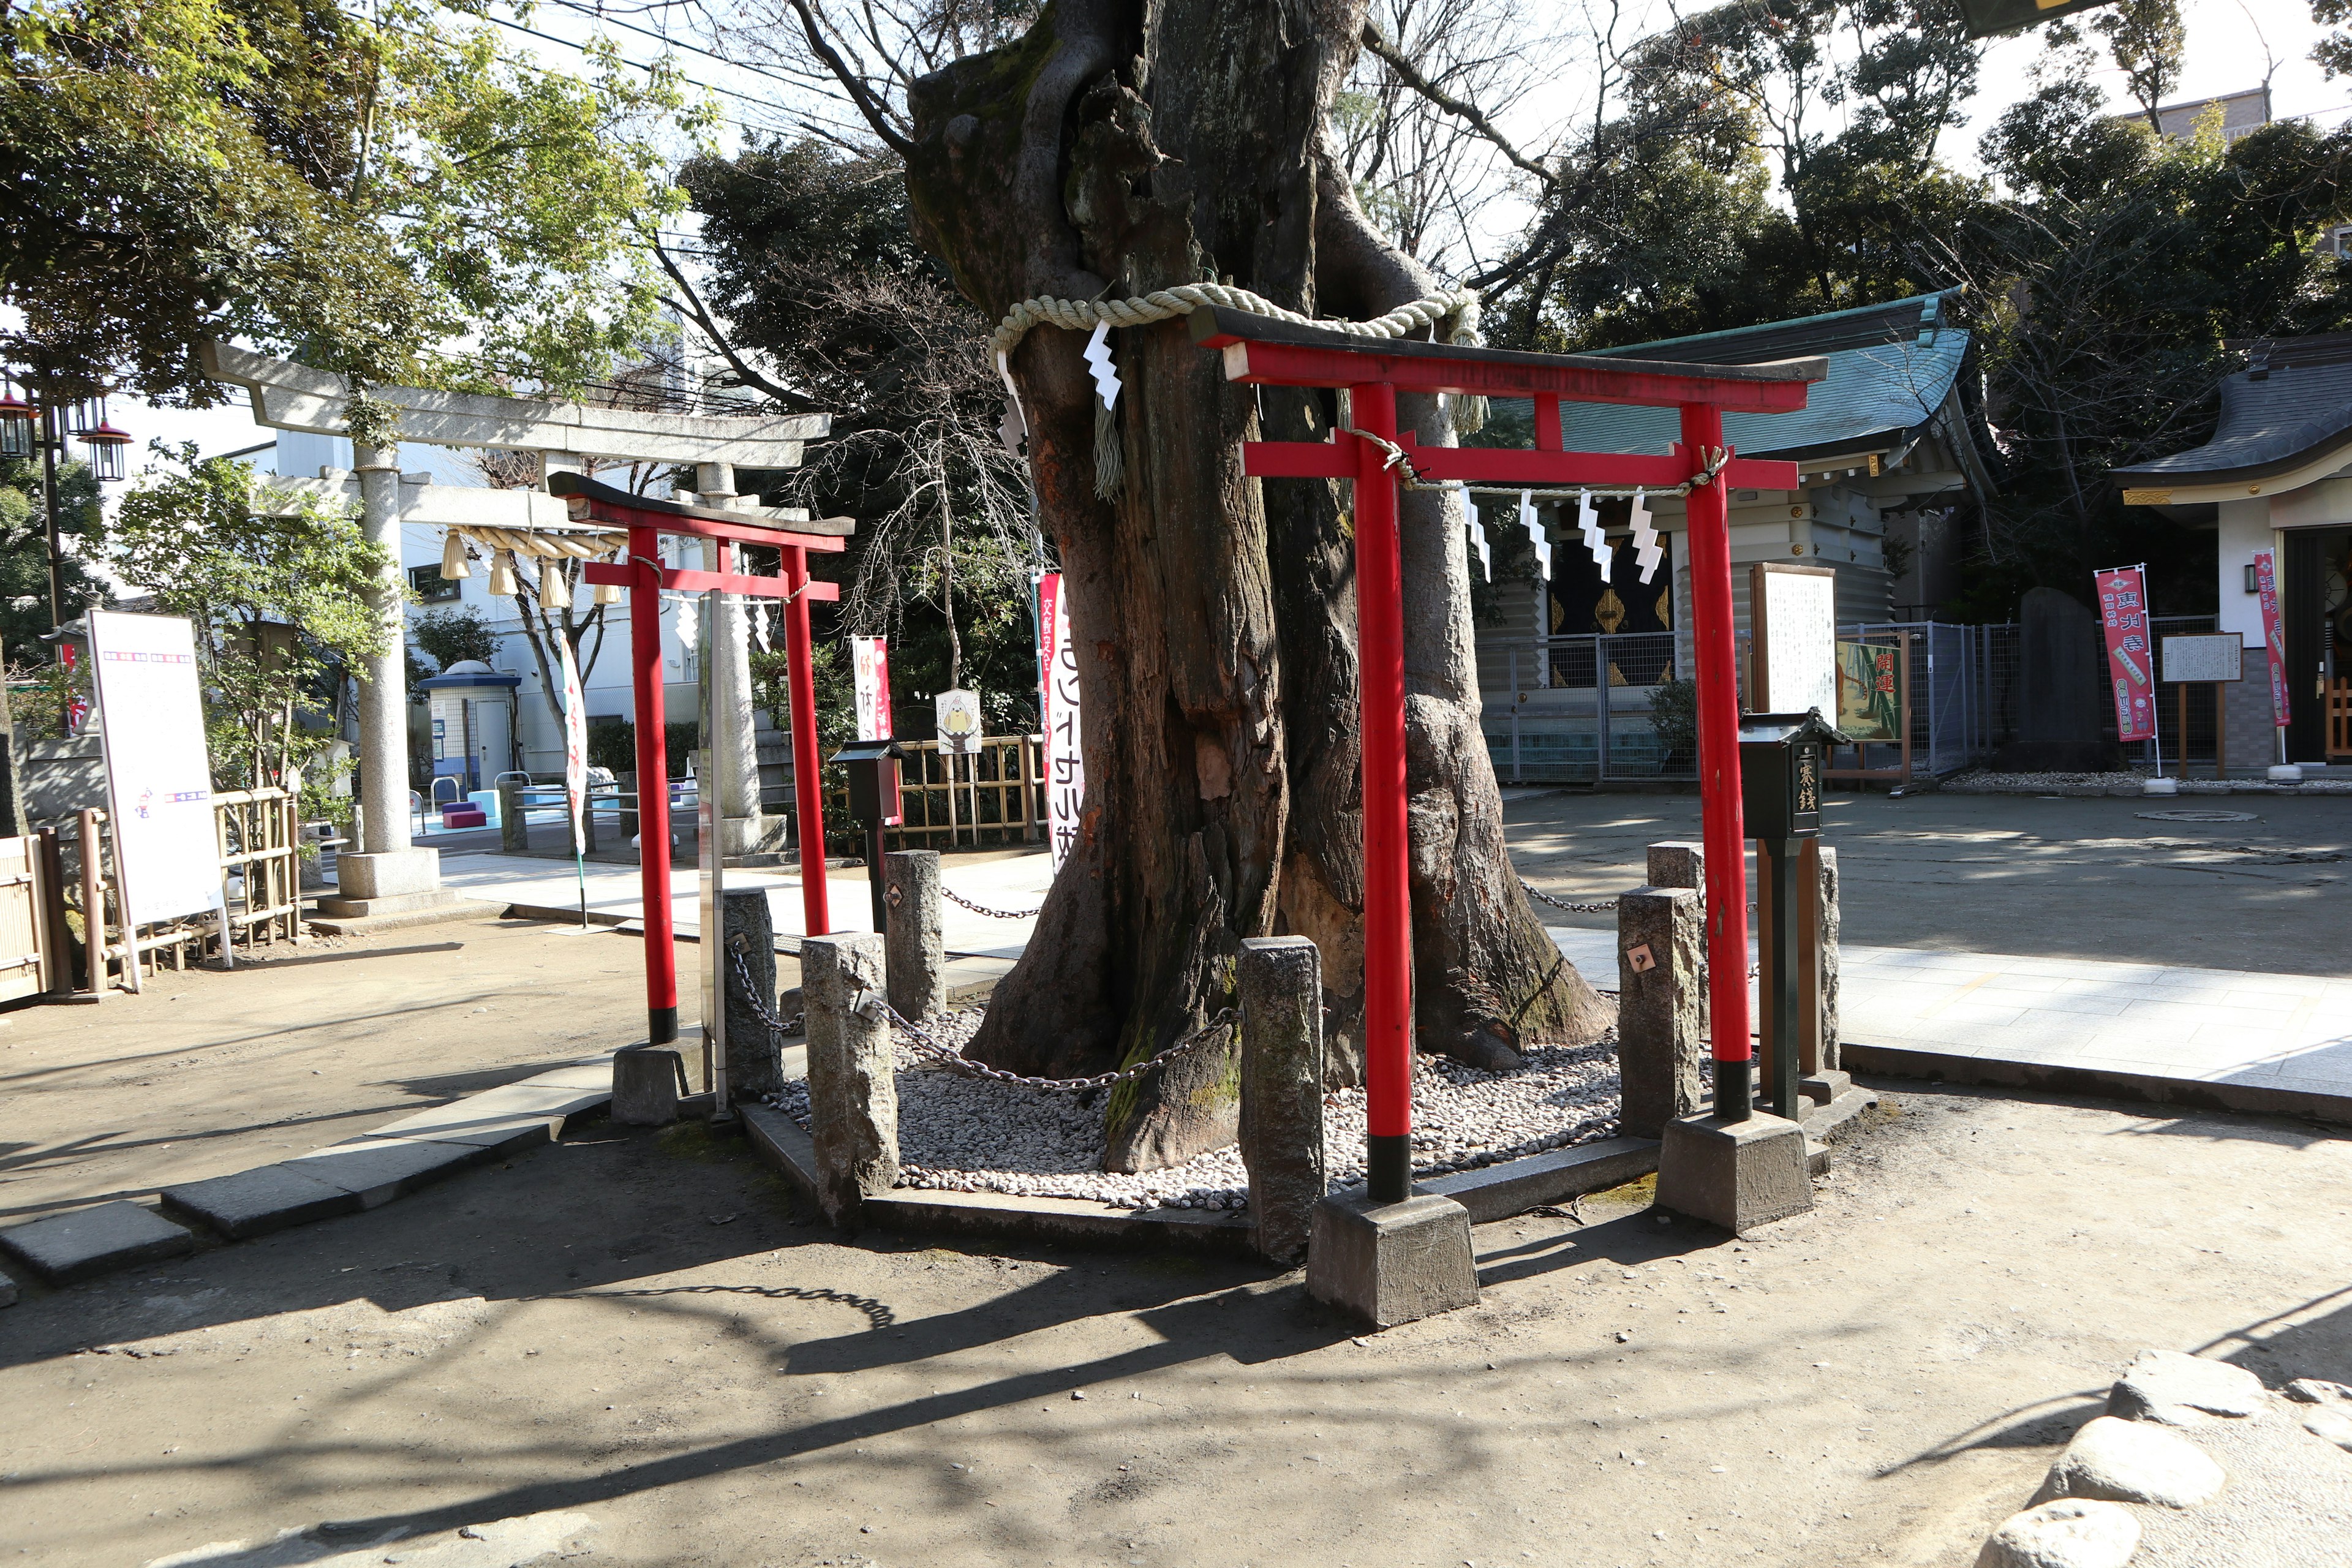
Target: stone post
pixel 514 832
pixel 918 952
pixel 755 1055
pixel 385 866
pixel 1660 996
pixel 1678 863
pixel 734 743
pixel 1281 1091
pixel 853 1089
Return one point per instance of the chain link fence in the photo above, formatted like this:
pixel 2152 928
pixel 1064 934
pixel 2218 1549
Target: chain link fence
pixel 1578 709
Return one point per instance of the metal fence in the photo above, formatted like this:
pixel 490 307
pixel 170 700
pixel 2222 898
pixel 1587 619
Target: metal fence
pixel 1947 682
pixel 1580 710
pixel 1997 690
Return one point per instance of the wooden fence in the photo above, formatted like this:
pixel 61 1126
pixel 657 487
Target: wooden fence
pixel 258 837
pixel 997 797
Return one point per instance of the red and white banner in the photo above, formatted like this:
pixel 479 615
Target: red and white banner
pixel 1066 764
pixel 2131 661
pixel 575 744
pixel 2273 634
pixel 869 665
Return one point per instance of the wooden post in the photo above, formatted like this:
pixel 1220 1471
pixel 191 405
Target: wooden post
pixel 57 975
pixel 131 975
pixel 1769 1043
pixel 2183 742
pixel 93 906
pixel 2220 732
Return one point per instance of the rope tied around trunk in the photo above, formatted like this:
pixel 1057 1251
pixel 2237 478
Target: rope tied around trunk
pixel 1450 315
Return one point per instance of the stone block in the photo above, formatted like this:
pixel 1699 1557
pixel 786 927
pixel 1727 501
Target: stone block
pixel 1392 1263
pixel 1661 1045
pixel 918 954
pixel 389 874
pixel 1282 1092
pixel 2060 689
pixel 1823 1088
pixel 1677 863
pixel 2181 1389
pixel 852 1072
pixel 7 1291
pixel 2133 1461
pixel 755 1055
pixel 2069 1534
pixel 257 1202
pixel 88 1241
pixel 1736 1175
pixel 514 828
pixel 648 1083
pixel 378 1170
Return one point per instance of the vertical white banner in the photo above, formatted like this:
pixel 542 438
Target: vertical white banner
pixel 1066 764
pixel 575 745
pixel 869 662
pixel 159 777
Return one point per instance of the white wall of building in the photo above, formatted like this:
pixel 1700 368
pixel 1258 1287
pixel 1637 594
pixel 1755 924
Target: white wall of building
pixel 606 683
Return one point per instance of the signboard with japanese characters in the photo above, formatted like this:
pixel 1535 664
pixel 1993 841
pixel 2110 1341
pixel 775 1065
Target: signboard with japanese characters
pixel 158 774
pixel 1066 765
pixel 2131 662
pixel 869 665
pixel 1869 708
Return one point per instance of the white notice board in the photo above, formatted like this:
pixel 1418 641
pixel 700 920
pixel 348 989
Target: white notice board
pixel 2212 656
pixel 159 779
pixel 1792 611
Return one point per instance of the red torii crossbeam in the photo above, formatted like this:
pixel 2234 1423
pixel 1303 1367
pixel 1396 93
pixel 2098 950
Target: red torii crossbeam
pixel 1268 353
pixel 645 576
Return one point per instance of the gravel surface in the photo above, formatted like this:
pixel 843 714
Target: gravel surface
pixel 968 1134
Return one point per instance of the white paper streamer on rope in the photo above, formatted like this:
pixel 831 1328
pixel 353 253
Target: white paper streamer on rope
pixel 1587 519
pixel 689 629
pixel 1535 533
pixel 1478 538
pixel 1646 547
pixel 1013 428
pixel 1099 360
pixel 759 619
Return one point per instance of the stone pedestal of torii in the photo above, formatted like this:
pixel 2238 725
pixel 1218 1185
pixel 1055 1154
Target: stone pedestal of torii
pixel 389 874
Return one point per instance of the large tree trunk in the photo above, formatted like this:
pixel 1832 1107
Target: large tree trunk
pixel 1123 146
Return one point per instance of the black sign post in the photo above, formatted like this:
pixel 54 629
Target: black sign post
pixel 872 769
pixel 1783 759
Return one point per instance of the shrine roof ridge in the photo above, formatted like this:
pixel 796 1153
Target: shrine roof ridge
pixel 1215 326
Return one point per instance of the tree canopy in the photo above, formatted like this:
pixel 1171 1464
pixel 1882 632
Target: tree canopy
pixel 394 194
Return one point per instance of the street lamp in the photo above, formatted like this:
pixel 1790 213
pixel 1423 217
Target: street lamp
pixel 107 444
pixel 16 422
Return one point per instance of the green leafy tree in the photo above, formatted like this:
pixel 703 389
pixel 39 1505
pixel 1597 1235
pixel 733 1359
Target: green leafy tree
pixel 279 605
pixel 25 555
pixel 454 636
pixel 362 188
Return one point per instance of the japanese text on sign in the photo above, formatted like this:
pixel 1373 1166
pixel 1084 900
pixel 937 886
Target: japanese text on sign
pixel 1065 764
pixel 2122 619
pixel 2273 634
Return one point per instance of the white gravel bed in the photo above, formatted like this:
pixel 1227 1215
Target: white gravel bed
pixel 966 1135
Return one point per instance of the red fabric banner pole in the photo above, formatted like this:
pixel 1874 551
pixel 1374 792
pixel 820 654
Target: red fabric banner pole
pixel 1388 933
pixel 808 781
pixel 1718 770
pixel 652 787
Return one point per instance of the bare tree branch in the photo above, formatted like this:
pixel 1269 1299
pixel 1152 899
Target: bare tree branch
pixel 692 307
pixel 1410 76
pixel 876 112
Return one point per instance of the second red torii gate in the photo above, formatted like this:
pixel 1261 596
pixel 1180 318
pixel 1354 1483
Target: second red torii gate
pixel 644 574
pixel 1269 353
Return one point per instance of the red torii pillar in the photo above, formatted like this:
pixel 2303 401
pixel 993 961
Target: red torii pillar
pixel 1262 351
pixel 645 576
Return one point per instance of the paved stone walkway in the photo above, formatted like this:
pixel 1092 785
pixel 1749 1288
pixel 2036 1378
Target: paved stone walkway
pixel 2219 1025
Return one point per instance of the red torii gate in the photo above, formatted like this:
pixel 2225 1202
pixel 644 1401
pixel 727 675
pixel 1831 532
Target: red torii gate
pixel 646 576
pixel 1270 353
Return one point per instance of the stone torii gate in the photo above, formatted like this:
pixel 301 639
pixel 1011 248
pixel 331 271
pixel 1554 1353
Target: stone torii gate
pixel 389 873
pixel 1370 451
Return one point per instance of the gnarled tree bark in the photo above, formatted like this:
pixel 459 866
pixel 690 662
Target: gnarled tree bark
pixel 1126 145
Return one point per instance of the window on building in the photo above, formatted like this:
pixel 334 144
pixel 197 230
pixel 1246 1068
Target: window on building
pixel 431 586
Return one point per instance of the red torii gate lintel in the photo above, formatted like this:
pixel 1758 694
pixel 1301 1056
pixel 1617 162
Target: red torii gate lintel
pixel 1266 352
pixel 645 576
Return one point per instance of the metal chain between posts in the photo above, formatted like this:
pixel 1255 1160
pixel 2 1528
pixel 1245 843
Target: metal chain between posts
pixel 869 1002
pixel 1535 892
pixel 955 898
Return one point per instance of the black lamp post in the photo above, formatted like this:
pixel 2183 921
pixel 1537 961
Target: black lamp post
pixel 27 427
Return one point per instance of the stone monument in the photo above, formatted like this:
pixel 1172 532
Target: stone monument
pixel 2060 709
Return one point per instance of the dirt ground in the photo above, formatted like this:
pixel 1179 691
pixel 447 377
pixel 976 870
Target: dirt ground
pixel 204 1073
pixel 636 1326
